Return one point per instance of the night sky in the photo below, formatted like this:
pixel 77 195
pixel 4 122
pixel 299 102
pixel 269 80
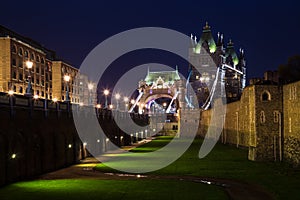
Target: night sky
pixel 269 32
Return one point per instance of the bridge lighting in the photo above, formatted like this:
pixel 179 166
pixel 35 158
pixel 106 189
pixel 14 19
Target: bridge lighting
pixel 13 156
pixel 80 104
pixel 126 99
pixel 10 92
pixel 36 96
pixel 98 106
pixel 132 101
pixel 164 104
pixel 111 106
pixel 70 146
pixel 117 96
pixel 84 144
pixel 54 100
pixel 106 92
pixel 98 141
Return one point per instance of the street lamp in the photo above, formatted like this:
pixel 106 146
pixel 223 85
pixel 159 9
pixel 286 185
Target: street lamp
pixel 106 92
pixel 67 79
pixel 126 99
pixel 29 65
pixel 90 87
pixel 117 96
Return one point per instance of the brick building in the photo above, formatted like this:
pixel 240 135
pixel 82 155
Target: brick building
pixel 46 75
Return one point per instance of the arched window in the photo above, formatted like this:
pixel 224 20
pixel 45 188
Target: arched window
pixel 20 52
pixel 26 54
pixel 43 61
pixel 21 89
pixel 38 58
pixel 14 49
pixel 31 56
pixel 265 96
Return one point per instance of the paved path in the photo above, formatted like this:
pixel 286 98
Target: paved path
pixel 235 189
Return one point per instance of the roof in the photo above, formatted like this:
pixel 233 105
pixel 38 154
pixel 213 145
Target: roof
pixel 208 38
pixel 231 52
pixel 166 76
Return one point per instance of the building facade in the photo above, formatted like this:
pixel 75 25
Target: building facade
pixel 46 75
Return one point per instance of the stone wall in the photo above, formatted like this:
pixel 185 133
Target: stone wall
pixel 291 121
pixel 35 140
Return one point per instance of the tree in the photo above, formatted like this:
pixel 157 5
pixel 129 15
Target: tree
pixel 290 72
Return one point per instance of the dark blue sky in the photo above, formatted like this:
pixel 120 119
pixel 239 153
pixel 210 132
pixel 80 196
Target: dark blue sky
pixel 269 32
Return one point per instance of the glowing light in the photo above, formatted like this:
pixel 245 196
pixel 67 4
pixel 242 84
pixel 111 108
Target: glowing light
pixel 36 96
pixel 98 140
pixel 106 92
pixel 29 64
pixel 126 99
pixel 54 100
pixel 84 144
pixel 117 96
pixel 138 176
pixel 80 104
pixel 107 139
pixel 70 146
pixel 13 156
pixel 98 106
pixel 132 101
pixel 164 104
pixel 90 86
pixel 10 92
pixel 111 106
pixel 67 78
pixel 212 48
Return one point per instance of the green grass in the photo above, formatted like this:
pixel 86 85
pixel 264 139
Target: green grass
pixel 109 189
pixel 229 162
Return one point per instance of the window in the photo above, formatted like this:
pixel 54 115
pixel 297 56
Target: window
pixel 31 56
pixel 38 58
pixel 43 83
pixel 20 64
pixel 42 70
pixel 62 97
pixel 262 117
pixel 290 125
pixel 37 92
pixel 14 49
pixel 37 69
pixel 43 61
pixel 14 62
pixel 14 75
pixel 20 52
pixel 26 54
pixel 43 94
pixel 20 76
pixel 37 80
pixel 276 116
pixel 20 89
pixel 15 88
pixel 265 96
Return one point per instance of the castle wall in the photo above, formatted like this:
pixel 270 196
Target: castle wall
pixel 291 121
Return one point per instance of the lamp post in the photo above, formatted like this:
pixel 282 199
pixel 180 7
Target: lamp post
pixel 90 87
pixel 117 96
pixel 67 79
pixel 126 99
pixel 106 92
pixel 29 65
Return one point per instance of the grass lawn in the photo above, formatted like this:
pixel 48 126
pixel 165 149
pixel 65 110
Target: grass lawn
pixel 229 162
pixel 109 189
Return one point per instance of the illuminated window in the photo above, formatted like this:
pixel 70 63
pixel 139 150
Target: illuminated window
pixel 290 125
pixel 31 56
